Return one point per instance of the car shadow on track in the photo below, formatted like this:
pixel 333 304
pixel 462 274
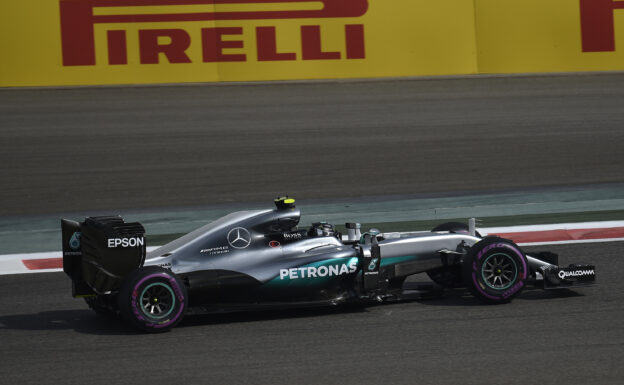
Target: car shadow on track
pixel 447 297
pixel 462 297
pixel 269 315
pixel 537 293
pixel 82 321
pixel 87 322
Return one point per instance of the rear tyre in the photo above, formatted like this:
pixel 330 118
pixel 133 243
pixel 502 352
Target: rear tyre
pixel 450 276
pixel 495 270
pixel 152 299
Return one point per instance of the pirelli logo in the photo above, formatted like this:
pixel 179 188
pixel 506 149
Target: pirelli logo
pixel 79 17
pixel 598 24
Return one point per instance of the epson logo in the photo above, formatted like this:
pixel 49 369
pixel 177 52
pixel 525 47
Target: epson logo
pixel 576 273
pixel 318 272
pixel 292 236
pixel 125 242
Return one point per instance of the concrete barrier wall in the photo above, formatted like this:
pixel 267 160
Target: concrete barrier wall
pixel 92 42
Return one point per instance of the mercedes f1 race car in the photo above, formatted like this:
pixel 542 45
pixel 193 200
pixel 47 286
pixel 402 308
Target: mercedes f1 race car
pixel 257 259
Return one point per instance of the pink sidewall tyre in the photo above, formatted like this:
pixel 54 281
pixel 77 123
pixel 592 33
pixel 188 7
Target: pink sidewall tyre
pixel 495 270
pixel 152 299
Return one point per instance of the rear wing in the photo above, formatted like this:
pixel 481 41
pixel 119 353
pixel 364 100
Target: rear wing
pixel 100 251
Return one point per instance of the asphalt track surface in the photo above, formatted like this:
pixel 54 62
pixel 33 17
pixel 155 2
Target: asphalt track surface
pixel 158 147
pixel 70 150
pixel 568 337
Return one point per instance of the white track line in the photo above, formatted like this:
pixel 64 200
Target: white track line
pixel 560 226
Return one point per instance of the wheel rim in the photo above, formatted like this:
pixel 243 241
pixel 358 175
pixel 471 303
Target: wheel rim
pixel 499 271
pixel 157 300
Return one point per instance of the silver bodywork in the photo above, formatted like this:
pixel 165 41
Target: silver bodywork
pixel 427 248
pixel 261 258
pixel 209 248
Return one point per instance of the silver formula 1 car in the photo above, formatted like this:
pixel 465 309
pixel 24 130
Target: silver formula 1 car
pixel 256 259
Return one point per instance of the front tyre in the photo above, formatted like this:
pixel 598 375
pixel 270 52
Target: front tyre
pixel 495 270
pixel 152 299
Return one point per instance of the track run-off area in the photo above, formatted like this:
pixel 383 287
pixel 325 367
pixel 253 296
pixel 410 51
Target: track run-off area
pixel 170 148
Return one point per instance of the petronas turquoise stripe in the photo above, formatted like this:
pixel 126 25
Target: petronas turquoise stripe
pixel 393 260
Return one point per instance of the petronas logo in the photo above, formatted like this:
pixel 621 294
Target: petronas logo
pixel 74 241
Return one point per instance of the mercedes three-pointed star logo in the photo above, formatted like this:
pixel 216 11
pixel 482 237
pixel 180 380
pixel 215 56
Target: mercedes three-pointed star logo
pixel 239 238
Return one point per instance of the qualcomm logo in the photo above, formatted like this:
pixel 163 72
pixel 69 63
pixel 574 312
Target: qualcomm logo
pixel 577 273
pixel 239 238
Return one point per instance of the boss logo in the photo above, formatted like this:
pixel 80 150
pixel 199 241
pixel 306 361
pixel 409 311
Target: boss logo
pixel 292 236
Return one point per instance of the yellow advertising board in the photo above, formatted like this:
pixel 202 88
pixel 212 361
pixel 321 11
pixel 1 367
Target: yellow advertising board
pixel 79 42
pixel 92 42
pixel 549 35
